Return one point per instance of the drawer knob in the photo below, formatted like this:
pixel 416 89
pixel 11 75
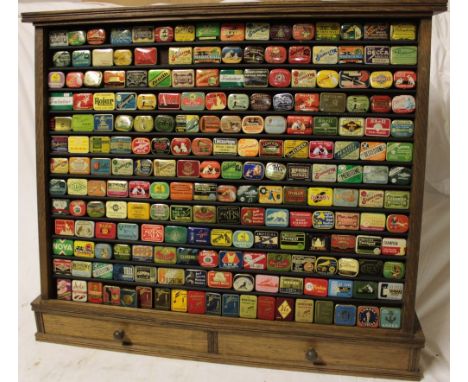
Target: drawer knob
pixel 312 355
pixel 119 335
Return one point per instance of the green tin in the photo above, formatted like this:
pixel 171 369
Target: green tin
pixel 164 123
pixel 57 187
pixel 159 212
pixel 399 152
pixel 279 262
pixel 349 173
pixel 159 78
pixel 231 170
pixel 76 37
pixel 181 214
pixel 365 289
pixel 402 128
pixel 231 78
pixel 122 252
pixel 238 101
pixel 357 104
pixel 103 271
pixel 333 102
pixel 96 209
pixel 325 125
pixel 62 247
pixel 390 318
pixel 204 191
pixel 323 312
pixel 127 231
pixel 175 234
pixel 394 270
pixel 82 122
pixel 404 55
pixel 375 174
pixel 397 199
pixel 347 150
pixel 159 190
pixel 143 123
pixel 192 101
pixel 81 58
pixel 187 123
pixel 123 123
pixel 122 166
pixel 99 144
pixel 293 240
pixel 207 31
pixel 61 101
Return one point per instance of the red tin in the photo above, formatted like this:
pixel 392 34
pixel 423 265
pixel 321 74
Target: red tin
pixel 300 219
pixel 181 146
pixel 94 292
pixel 74 80
pixel 83 101
pixel 77 208
pixel 210 169
pixel 188 168
pixel 377 127
pixel 169 101
pixel 298 124
pixel 226 193
pixel 275 54
pixel 321 150
pixel 404 79
pixel 381 104
pixel 284 309
pixel 266 308
pixel 303 31
pixel 316 287
pixel 252 216
pixel 299 54
pixel 279 78
pixel 164 34
pixel 152 232
pixel 141 146
pixel 105 230
pixel 208 258
pixel 255 260
pixel 196 302
pixel 343 243
pixel 306 101
pixel 215 101
pixel 210 124
pixel 218 279
pixel 145 56
pixel 96 36
pixel 138 189
pixel 64 227
pixel 397 223
pixel 202 146
pixel 271 148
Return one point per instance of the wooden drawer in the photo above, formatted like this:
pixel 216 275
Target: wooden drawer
pixel 135 334
pixel 329 353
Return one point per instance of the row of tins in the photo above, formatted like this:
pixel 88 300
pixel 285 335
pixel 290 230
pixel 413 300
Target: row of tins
pixel 230 305
pixel 274 54
pixel 182 148
pixel 234 124
pixel 249 260
pixel 238 31
pixel 187 78
pixel 218 101
pixel 244 282
pixel 222 237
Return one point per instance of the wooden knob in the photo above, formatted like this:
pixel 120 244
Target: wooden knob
pixel 312 355
pixel 119 335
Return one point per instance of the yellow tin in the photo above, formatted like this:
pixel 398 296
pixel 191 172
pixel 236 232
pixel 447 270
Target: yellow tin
pixel 164 167
pixel 171 276
pixel 78 145
pixel 146 101
pixel 372 221
pixel 296 149
pixel 328 79
pixel 381 79
pixel 348 267
pixel 403 32
pixel 103 57
pixel 270 194
pixel 178 300
pixel 304 310
pixel 83 249
pixel 116 209
pixel 351 127
pixel 371 198
pixel 136 210
pixel 99 145
pixel 180 55
pixel 143 123
pixel 221 237
pixel 204 214
pixel 104 101
pixel 79 165
pixel 59 165
pixel 184 33
pixel 247 147
pixel 77 186
pixel 320 196
pixel 248 306
pixel 122 166
pixel 122 57
pixel 62 123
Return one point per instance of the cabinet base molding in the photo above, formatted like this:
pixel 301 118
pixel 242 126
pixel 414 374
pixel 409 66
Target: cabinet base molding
pixel 269 344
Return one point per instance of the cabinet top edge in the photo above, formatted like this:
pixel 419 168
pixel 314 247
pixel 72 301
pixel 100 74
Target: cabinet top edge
pixel 217 8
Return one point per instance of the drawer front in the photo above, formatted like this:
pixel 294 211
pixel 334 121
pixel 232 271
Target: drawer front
pixel 327 352
pixel 133 334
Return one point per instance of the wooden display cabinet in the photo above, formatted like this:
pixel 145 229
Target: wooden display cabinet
pixel 305 346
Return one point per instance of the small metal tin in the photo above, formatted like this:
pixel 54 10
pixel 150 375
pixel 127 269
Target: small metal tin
pixel 403 31
pixel 390 291
pixel 296 149
pixel 299 54
pixel 221 237
pixel 291 285
pixel 348 173
pixel 61 101
pixel 231 170
pixel 58 38
pixel 394 270
pixel 56 80
pixel 275 171
pixel 357 79
pixel 328 79
pixel 255 78
pixel 162 298
pixel 303 78
pixel 397 223
pixel 248 306
pixel 247 147
pixel 215 101
pixel 270 194
pixel 180 56
pixel 181 190
pixel 327 31
pixel 403 104
pixel 159 78
pixel 224 146
pixel 332 102
pixel 220 280
pixel 376 31
pixel 204 191
pixel 257 31
pixel 350 54
pixel 232 32
pixel 365 289
pixel 298 171
pixel 207 55
pixel 207 77
pixel 371 198
pixel 183 78
pixel 279 78
pixel 390 318
pixel 400 175
pixel 293 240
pixel 184 32
pixel 213 303
pixel 404 79
pixel 348 267
pixel 204 214
pixel 399 152
pixel 381 103
pixel 303 31
pixel 351 31
pixel 243 283
pixel 345 315
pixel 121 36
pixel 260 101
pixel 340 288
pixel 247 194
pixel 280 32
pixel 181 146
pixel 373 151
pixel 377 54
pixel 276 217
pixel 345 197
pixel 159 212
pixel 238 101
pixel 165 255
pixel 81 268
pixel 323 312
pixel 228 214
pixel 266 239
pixel 325 54
pixel 306 102
pixel 146 102
pixel 178 299
pixel 316 287
pixel 192 101
pixel 188 168
pixel 323 220
pixel 402 128
pixel 142 34
pixel 230 124
pixel 320 196
pixel 64 227
pixel 351 126
pixel 275 54
pixel 370 267
pixel 164 34
pixel 347 221
pixel 123 57
pixel 372 221
pixel 60 206
pixel 397 199
pixel 61 59
pixel 284 309
pixel 121 251
pixel 231 78
pixel 231 54
pixel 159 190
pixel 368 245
pixel 254 54
pixel 210 169
pixel 207 31
pixel 171 276
pixel 76 38
pixel 195 277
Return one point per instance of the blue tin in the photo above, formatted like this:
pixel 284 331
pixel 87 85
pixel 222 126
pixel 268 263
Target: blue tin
pixel 230 259
pixel 128 298
pixel 121 145
pixel 127 231
pixel 123 272
pixel 142 167
pixel 253 170
pixel 125 101
pixel 323 219
pixel 103 251
pixel 198 235
pixel 230 305
pixel 195 277
pixel 340 288
pixel 121 36
pixel 345 315
pixel 276 217
pixel 100 166
pixel 213 303
pixel 103 122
